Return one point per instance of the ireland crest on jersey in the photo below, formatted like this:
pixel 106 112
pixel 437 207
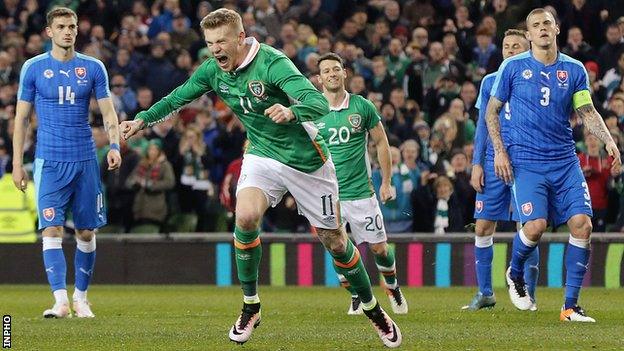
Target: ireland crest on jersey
pixel 256 88
pixel 355 120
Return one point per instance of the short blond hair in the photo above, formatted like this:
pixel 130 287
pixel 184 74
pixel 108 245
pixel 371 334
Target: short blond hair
pixel 514 31
pixel 222 17
pixel 60 12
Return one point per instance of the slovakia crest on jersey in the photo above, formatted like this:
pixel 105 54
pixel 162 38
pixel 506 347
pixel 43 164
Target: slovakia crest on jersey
pixel 527 208
pixel 562 76
pixel 48 214
pixel 479 206
pixel 81 72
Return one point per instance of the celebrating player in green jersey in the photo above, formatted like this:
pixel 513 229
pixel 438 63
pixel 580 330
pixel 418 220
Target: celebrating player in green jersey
pixel 346 128
pixel 285 153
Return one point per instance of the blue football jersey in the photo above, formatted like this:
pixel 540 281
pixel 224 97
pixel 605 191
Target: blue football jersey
pixel 540 98
pixel 483 149
pixel 60 92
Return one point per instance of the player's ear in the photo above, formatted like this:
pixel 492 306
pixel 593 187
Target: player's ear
pixel 48 32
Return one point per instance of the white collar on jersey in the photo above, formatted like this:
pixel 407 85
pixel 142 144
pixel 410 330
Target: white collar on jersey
pixel 253 51
pixel 343 105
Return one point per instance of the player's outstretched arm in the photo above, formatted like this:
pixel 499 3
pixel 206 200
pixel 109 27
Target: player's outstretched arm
pixel 112 128
pixel 594 123
pixel 386 191
pixel 23 110
pixel 502 165
pixel 196 86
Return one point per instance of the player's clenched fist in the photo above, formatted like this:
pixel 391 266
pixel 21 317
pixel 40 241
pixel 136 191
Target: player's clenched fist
pixel 387 192
pixel 20 178
pixel 279 113
pixel 114 159
pixel 129 128
pixel 616 164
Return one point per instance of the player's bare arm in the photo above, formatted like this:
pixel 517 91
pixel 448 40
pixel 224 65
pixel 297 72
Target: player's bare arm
pixel 594 123
pixel 22 115
pixel 112 129
pixel 386 191
pixel 502 165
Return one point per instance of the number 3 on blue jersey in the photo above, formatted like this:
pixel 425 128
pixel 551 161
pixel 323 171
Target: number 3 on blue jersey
pixel 545 96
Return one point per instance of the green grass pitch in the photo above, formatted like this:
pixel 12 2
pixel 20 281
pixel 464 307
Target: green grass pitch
pixel 199 317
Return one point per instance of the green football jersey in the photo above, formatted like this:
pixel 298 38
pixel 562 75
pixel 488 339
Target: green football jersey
pixel 266 77
pixel 345 131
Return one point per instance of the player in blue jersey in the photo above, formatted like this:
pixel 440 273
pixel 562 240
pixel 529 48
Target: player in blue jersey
pixel 59 85
pixel 543 87
pixel 493 195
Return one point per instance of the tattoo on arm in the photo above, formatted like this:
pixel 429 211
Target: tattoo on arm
pixel 594 123
pixel 113 132
pixel 492 113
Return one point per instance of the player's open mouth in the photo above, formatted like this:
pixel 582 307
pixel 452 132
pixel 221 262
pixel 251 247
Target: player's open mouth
pixel 222 60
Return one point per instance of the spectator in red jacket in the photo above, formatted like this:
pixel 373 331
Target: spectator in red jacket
pixel 596 169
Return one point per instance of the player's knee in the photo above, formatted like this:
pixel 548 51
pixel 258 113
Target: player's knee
pixel 85 234
pixel 247 220
pixel 581 228
pixel 534 229
pixel 333 240
pixel 484 228
pixel 55 231
pixel 379 249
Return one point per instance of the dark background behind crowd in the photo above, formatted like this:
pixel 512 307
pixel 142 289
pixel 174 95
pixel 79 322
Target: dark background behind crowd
pixel 419 61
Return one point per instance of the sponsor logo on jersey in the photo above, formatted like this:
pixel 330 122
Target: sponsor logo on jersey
pixel 527 74
pixel 527 208
pixel 48 73
pixel 256 87
pixel 224 88
pixel 48 214
pixel 479 206
pixel 65 73
pixel 320 125
pixel 81 72
pixel 355 120
pixel 547 75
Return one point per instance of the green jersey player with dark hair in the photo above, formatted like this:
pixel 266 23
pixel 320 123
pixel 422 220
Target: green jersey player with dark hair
pixel 278 107
pixel 346 129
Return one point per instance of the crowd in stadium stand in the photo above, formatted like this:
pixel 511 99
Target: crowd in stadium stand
pixel 419 61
